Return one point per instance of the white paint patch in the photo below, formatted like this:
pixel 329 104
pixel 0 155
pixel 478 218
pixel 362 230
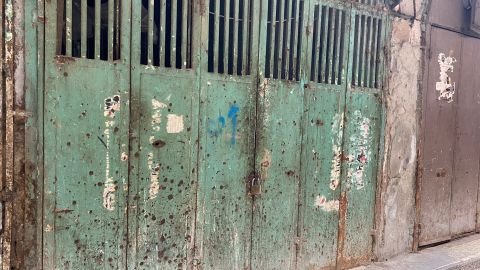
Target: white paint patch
pixel 336 167
pixel 109 185
pixel 48 228
pixel 361 152
pixel 326 205
pixel 445 86
pixel 265 165
pixel 156 120
pixel 174 123
pixel 124 156
pixel 154 176
pixel 156 105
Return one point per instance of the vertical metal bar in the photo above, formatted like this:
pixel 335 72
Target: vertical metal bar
pixel 235 46
pixel 226 36
pixel 162 38
pixel 356 53
pixel 343 45
pixel 380 56
pixel 368 55
pixel 83 48
pixel 287 38
pixel 110 29
pixel 331 41
pixel 373 63
pixel 98 24
pixel 117 29
pixel 151 4
pixel 337 60
pixel 184 53
pixel 323 61
pixel 173 33
pixel 246 36
pixel 216 53
pixel 273 26
pixel 60 8
pixel 280 38
pixel 68 28
pixel 362 53
pixel 313 42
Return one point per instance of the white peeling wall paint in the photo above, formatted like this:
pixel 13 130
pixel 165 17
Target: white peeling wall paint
pixel 445 85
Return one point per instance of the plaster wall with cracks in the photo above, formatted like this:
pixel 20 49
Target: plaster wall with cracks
pixel 395 209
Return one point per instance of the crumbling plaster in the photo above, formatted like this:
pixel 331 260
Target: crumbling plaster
pixel 396 206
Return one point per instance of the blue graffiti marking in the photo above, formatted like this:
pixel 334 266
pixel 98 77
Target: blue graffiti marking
pixel 215 129
pixel 232 114
pixel 221 120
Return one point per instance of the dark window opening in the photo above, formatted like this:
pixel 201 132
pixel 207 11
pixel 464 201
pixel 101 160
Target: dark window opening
pixel 83 32
pixel 229 37
pixel 166 33
pixel 284 39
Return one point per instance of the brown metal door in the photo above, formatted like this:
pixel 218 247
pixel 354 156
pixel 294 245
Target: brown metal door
pixel 439 140
pixel 463 212
pixel 449 187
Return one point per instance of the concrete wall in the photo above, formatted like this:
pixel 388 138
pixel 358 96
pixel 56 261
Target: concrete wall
pixel 396 199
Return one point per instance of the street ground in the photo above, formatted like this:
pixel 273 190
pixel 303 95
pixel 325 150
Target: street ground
pixel 461 254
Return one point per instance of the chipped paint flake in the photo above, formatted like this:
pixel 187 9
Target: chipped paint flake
pixel 156 120
pixel 361 153
pixel 109 185
pixel 124 156
pixel 175 123
pixel 265 165
pixel 326 205
pixel 111 106
pixel 336 166
pixel 157 105
pixel 445 85
pixel 154 176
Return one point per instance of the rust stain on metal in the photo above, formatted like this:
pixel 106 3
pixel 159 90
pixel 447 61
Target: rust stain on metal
pixel 59 211
pixel 62 59
pixel 7 183
pixel 342 224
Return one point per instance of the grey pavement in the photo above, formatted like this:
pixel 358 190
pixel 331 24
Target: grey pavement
pixel 462 254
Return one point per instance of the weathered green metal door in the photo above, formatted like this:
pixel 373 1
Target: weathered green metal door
pixel 214 134
pixel 87 88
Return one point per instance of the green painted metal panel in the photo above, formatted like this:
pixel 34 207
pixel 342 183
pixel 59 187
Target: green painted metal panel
pixel 245 135
pixel 279 133
pixel 86 133
pixel 163 156
pixel 323 135
pixel 279 146
pixel 227 135
pixel 357 202
pixel 363 126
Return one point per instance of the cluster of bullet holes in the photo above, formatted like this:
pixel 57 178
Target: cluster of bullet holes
pixel 112 105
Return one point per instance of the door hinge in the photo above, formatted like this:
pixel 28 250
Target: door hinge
pixel 253 184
